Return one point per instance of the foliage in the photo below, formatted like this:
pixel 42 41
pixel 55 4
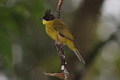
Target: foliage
pixel 14 16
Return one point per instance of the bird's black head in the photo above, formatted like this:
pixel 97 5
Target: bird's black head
pixel 48 16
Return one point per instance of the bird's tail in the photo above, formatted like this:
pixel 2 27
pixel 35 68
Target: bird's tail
pixel 79 56
pixel 72 46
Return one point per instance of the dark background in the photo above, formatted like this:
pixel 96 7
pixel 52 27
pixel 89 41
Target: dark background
pixel 26 52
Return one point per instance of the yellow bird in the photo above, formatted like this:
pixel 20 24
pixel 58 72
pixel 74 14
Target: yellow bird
pixel 59 31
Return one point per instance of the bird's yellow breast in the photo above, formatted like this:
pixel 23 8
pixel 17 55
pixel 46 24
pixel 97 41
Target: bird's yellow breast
pixel 50 30
pixel 49 26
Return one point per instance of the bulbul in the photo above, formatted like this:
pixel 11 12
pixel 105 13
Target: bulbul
pixel 59 32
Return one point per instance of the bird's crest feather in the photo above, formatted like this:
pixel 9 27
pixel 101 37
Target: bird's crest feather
pixel 48 11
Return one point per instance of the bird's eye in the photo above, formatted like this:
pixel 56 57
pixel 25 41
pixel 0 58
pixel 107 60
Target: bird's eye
pixel 45 17
pixel 48 18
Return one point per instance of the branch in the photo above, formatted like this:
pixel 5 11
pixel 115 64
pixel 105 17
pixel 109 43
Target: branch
pixel 61 54
pixel 64 72
pixel 59 46
pixel 57 13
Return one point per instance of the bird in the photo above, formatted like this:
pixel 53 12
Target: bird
pixel 58 31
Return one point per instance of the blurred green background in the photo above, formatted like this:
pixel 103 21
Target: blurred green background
pixel 26 52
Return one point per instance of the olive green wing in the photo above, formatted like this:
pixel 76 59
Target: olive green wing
pixel 63 30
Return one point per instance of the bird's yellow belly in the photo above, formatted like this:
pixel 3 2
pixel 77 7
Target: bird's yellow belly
pixel 55 36
pixel 52 33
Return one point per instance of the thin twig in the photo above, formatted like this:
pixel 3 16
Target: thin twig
pixel 57 13
pixel 59 46
pixel 64 72
pixel 61 54
pixel 59 75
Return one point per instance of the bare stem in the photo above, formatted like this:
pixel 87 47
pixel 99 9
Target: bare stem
pixel 61 54
pixel 64 72
pixel 57 13
pixel 59 46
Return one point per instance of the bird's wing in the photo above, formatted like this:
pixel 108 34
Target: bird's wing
pixel 63 30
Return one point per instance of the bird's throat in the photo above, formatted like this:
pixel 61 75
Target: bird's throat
pixel 44 21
